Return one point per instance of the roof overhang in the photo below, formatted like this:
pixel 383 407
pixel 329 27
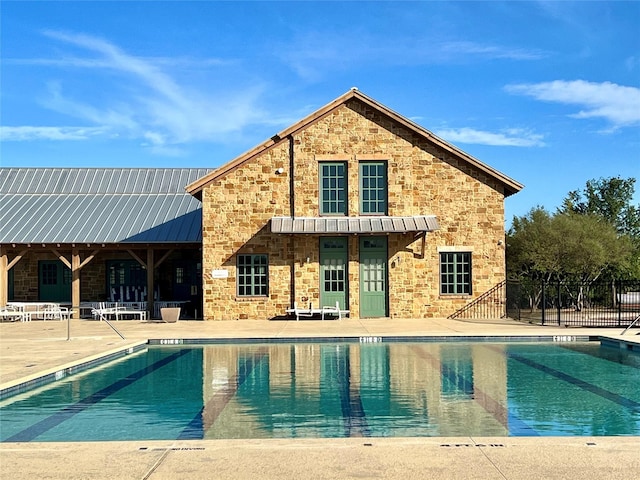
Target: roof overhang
pixel 354 225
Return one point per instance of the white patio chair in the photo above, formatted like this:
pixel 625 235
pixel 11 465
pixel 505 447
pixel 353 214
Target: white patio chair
pixel 13 313
pixel 333 310
pixel 302 312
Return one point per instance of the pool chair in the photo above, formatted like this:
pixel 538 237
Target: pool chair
pixel 12 314
pixel 302 311
pixel 333 310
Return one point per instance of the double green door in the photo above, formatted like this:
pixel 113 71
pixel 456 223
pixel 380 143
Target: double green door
pixel 373 274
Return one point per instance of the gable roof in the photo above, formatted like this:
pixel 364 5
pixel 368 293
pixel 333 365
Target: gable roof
pixel 510 186
pixel 99 205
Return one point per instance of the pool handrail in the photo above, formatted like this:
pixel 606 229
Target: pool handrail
pixel 100 313
pixel 631 325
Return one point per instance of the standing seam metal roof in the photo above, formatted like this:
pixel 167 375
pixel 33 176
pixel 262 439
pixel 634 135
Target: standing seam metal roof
pixel 111 205
pixel 354 225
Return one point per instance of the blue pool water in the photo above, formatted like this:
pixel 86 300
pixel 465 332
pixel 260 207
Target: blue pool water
pixel 338 390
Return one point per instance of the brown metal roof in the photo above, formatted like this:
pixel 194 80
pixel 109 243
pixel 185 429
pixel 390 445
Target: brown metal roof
pixel 354 225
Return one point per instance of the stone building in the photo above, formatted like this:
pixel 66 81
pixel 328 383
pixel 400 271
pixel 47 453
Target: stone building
pixel 354 204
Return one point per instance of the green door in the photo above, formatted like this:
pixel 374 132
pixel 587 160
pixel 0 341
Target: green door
pixel 54 281
pixel 333 271
pixel 373 277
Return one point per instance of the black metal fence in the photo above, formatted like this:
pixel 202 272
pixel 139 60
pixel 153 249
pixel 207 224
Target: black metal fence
pixel 596 304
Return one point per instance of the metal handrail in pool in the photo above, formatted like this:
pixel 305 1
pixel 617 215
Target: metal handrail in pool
pixel 103 317
pixel 631 325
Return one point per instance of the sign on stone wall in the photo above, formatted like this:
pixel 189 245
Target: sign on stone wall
pixel 219 274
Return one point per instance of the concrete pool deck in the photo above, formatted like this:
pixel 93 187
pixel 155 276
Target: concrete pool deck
pixel 31 348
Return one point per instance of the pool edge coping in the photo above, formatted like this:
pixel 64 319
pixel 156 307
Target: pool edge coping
pixel 50 375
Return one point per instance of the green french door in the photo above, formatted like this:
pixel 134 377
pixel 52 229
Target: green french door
pixel 333 271
pixel 373 277
pixel 54 281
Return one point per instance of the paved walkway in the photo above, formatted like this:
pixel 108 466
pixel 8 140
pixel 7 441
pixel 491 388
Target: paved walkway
pixel 29 349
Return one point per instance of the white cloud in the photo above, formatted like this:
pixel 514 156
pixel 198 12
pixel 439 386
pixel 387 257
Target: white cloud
pixel 506 138
pixel 28 133
pixel 618 104
pixel 141 98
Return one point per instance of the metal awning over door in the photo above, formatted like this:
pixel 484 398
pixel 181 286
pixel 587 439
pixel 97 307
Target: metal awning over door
pixel 354 225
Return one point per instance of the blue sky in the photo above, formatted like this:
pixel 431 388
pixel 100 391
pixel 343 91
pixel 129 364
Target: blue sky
pixel 546 92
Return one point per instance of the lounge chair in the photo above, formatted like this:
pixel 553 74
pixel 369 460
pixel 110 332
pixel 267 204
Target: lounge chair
pixel 334 310
pixel 303 312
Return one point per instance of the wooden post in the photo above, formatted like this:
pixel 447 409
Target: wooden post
pixel 5 266
pixel 75 282
pixel 150 285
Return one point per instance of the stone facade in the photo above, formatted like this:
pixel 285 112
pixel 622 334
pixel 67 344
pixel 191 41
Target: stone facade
pixel 25 279
pixel 423 179
pixel 94 284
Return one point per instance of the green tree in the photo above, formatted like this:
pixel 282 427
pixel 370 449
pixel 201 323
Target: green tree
pixel 610 199
pixel 564 247
pixel 528 244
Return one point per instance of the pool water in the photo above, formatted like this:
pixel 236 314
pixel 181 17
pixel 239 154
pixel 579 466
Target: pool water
pixel 338 390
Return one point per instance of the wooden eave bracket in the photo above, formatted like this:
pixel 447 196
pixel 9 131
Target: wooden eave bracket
pixel 16 259
pixel 423 243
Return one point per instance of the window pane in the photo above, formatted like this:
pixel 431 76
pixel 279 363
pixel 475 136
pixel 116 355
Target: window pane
pixel 373 188
pixel 252 275
pixel 455 273
pixel 333 188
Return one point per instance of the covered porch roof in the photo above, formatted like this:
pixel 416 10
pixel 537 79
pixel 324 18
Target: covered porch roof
pixel 354 225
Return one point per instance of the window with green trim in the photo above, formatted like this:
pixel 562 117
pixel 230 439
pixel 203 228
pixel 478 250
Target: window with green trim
pixel 455 273
pixel 373 188
pixel 333 188
pixel 253 276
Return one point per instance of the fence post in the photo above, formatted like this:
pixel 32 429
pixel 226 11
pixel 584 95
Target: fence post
pixel 559 303
pixel 544 301
pixel 618 290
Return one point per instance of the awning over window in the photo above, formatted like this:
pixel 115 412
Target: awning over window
pixel 354 225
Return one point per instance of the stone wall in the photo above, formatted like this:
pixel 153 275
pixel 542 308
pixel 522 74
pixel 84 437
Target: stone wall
pixel 93 276
pixel 423 180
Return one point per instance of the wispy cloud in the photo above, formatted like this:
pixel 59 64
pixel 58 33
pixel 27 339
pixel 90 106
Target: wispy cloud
pixel 145 100
pixel 488 51
pixel 507 138
pixel 315 53
pixel 618 104
pixel 632 62
pixel 50 133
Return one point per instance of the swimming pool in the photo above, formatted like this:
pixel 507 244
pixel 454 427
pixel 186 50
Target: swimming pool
pixel 327 390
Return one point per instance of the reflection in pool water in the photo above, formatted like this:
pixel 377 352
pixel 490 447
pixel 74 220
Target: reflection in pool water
pixel 338 390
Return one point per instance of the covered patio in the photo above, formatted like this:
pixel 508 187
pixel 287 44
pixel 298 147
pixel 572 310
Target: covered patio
pixel 74 236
